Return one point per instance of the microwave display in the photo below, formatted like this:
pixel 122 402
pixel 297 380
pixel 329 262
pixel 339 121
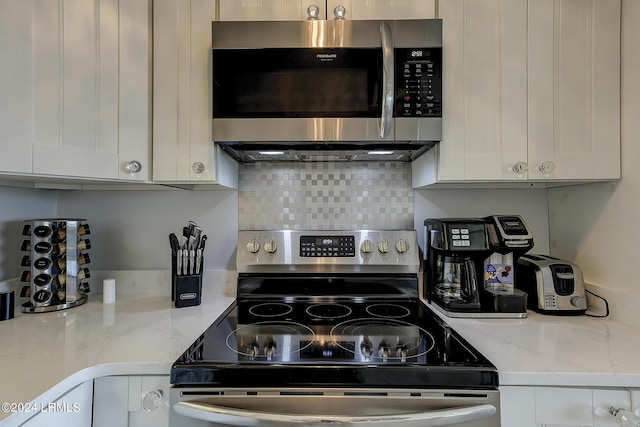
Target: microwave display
pixel 297 83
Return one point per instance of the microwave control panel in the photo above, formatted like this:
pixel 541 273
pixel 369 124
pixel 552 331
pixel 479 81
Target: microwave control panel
pixel 418 88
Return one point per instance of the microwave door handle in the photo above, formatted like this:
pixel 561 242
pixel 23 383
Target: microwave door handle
pixel 243 417
pixel 387 79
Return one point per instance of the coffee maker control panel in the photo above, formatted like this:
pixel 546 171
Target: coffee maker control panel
pixel 465 235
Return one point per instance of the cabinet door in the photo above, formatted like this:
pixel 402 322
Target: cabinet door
pixel 574 89
pixel 269 10
pixel 563 406
pixel 383 9
pixel 71 410
pixel 136 401
pixel 182 141
pixel 484 89
pixel 80 103
pixel 517 406
pixel 16 86
pixel 603 399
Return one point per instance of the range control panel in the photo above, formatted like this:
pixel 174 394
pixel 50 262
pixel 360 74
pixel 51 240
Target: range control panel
pixel 327 246
pixel 350 250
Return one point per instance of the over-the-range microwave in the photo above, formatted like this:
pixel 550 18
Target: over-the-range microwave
pixel 320 87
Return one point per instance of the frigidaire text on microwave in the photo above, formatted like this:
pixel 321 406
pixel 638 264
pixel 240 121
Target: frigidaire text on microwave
pixel 327 85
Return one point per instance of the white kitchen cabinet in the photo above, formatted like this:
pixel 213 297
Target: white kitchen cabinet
pixel 183 151
pixel 269 10
pixel 383 9
pixel 484 91
pixel 75 91
pixel 135 401
pixel 574 89
pixel 71 410
pixel 264 10
pixel 531 93
pixel 16 86
pixel 561 406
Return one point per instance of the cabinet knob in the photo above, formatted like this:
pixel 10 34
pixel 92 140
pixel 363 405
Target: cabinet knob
pixel 198 168
pixel 313 12
pixel 520 168
pixel 547 168
pixel 624 418
pixel 339 12
pixel 133 166
pixel 152 400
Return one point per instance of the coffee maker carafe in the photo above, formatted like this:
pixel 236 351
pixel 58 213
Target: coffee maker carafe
pixel 457 283
pixel 453 248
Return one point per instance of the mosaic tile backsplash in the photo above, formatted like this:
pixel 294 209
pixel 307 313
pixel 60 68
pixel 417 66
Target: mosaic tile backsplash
pixel 325 196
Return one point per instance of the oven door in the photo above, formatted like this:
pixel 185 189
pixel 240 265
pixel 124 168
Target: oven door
pixel 199 407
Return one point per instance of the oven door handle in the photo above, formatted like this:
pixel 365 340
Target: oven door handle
pixel 387 80
pixel 242 417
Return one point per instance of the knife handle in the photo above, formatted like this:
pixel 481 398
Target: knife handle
pixel 179 262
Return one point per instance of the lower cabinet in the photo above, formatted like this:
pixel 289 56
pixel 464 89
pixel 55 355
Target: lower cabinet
pixel 71 410
pixel 564 406
pixel 131 401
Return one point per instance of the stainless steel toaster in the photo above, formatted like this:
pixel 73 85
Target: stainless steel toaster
pixel 554 286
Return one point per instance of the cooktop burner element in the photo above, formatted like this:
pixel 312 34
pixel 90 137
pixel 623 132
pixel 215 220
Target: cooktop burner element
pixel 385 340
pixel 388 311
pixel 328 311
pixel 271 309
pixel 269 340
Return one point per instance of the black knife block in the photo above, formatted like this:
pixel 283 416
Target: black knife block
pixel 186 290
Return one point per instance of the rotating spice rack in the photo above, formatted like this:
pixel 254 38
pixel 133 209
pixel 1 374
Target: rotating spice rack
pixel 57 275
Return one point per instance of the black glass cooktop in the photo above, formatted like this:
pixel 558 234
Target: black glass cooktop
pixel 346 341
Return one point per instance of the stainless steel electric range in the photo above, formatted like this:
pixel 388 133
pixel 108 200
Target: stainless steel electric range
pixel 328 327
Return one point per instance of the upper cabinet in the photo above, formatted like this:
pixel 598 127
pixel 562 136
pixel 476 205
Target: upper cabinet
pixel 183 151
pixel 531 93
pixel 574 89
pixel 75 88
pixel 264 10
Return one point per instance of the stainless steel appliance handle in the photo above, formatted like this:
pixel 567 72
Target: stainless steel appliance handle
pixel 242 417
pixel 387 79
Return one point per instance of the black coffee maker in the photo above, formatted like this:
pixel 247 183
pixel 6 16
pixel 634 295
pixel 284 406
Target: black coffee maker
pixel 469 265
pixel 453 248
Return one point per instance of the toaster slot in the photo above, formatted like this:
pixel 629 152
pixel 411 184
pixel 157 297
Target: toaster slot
pixel 563 279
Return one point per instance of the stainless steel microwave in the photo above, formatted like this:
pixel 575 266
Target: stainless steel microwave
pixel 327 85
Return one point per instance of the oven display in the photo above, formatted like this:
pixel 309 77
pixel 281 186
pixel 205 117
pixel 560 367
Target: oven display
pixel 327 246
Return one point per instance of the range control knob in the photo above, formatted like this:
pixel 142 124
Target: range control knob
pixel 402 246
pixel 366 247
pixel 579 302
pixel 270 246
pixel 253 246
pixel 383 246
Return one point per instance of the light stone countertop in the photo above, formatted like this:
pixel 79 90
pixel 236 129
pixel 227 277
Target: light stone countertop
pixel 557 350
pixel 42 356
